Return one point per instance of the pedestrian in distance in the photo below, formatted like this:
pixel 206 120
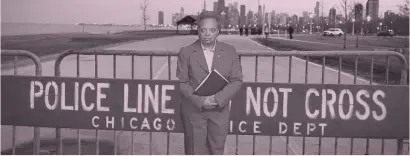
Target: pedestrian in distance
pixel 205 119
pixel 246 31
pixel 290 31
pixel 241 31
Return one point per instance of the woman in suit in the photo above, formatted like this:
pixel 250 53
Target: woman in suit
pixel 206 118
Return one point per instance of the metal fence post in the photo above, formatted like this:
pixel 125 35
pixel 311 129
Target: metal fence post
pixel 38 68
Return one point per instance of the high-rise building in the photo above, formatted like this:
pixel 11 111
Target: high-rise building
pixel 295 20
pixel 215 7
pixel 221 6
pixel 226 20
pixel 233 15
pixel 175 18
pixel 283 19
pixel 332 17
pixel 242 18
pixel 272 17
pixel 236 5
pixel 372 9
pixel 316 10
pixel 204 9
pixel 266 21
pixel 277 19
pixel 306 19
pixel 367 8
pixel 181 14
pixel 250 20
pixel 358 12
pixel 161 18
pixel 339 18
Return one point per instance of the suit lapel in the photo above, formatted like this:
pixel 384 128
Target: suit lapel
pixel 199 55
pixel 217 56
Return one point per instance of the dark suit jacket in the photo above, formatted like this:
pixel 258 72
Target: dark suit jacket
pixel 192 69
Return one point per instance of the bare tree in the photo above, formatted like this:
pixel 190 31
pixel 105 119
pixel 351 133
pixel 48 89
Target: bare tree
pixel 347 9
pixel 404 9
pixel 144 10
pixel 322 19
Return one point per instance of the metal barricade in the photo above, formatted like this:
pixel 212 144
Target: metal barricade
pixel 307 56
pixel 114 54
pixel 38 72
pixel 339 54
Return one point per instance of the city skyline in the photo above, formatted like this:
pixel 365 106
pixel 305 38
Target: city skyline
pixel 128 11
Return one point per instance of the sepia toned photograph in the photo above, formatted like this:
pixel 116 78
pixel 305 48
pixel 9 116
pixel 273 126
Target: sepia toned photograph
pixel 205 77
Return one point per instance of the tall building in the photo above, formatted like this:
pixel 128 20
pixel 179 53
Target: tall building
pixel 277 18
pixel 372 9
pixel 161 18
pixel 332 17
pixel 236 5
pixel 226 20
pixel 295 20
pixel 215 7
pixel 367 8
pixel 272 17
pixel 242 14
pixel 233 15
pixel 306 19
pixel 358 12
pixel 266 21
pixel 204 9
pixel 181 14
pixel 339 18
pixel 221 6
pixel 250 20
pixel 316 10
pixel 283 19
pixel 175 18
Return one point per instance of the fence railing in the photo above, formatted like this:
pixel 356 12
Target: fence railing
pixel 38 72
pixel 276 58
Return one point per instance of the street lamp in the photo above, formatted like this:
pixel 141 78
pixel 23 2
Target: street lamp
pixel 311 16
pixel 353 20
pixel 368 22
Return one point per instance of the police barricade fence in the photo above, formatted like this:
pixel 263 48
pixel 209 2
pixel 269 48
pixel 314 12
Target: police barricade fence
pixel 297 110
pixel 16 54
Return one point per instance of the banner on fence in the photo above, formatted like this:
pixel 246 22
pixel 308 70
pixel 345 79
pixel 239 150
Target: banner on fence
pixel 258 109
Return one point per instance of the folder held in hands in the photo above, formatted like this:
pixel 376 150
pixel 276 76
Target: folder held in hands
pixel 213 83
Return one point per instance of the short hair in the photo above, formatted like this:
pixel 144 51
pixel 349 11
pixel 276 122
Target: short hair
pixel 209 15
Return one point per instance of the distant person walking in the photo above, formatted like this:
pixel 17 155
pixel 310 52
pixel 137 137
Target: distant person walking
pixel 246 31
pixel 290 30
pixel 241 31
pixel 259 30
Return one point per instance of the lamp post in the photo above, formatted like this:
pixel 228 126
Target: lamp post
pixel 368 23
pixel 311 16
pixel 353 20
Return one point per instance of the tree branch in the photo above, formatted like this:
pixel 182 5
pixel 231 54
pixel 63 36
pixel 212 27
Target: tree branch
pixel 144 9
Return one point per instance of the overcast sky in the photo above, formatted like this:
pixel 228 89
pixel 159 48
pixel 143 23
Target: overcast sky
pixel 128 11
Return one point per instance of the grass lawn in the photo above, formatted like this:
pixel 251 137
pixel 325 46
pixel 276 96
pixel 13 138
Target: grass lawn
pixel 364 63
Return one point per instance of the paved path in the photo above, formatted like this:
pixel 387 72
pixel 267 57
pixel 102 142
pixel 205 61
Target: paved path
pixel 160 71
